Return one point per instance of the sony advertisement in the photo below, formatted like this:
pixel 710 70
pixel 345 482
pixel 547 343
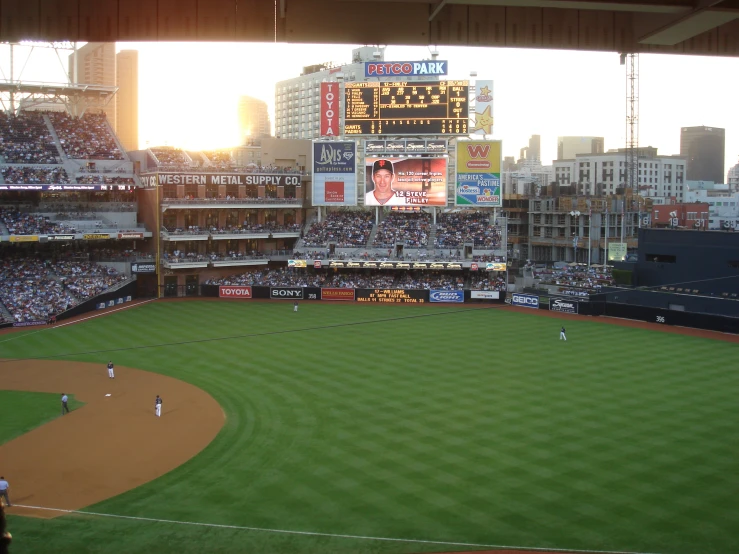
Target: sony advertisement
pixel 334 173
pixel 392 181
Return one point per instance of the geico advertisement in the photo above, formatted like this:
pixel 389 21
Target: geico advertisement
pixel 525 300
pixel 405 181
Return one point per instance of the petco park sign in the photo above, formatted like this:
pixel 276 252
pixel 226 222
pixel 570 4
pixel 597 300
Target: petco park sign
pixel 404 69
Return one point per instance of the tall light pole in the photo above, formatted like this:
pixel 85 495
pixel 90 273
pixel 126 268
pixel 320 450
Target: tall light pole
pixel 576 214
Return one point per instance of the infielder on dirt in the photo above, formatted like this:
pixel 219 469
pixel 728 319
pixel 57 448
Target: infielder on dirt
pixel 158 406
pixel 111 374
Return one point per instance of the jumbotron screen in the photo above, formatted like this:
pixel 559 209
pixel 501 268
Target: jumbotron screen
pixel 406 108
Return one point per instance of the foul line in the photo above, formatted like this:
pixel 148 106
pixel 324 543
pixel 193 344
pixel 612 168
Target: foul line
pixel 329 535
pixel 22 335
pixel 248 335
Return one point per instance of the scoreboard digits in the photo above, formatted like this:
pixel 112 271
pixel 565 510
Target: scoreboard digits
pixel 406 108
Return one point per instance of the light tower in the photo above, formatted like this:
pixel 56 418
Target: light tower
pixel 632 120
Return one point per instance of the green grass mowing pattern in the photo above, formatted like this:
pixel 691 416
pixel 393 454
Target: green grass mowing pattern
pixel 421 422
pixel 21 411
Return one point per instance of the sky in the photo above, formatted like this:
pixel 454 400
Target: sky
pixel 188 92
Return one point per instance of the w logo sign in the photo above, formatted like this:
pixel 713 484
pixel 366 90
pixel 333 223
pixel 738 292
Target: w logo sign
pixel 478 156
pixel 478 150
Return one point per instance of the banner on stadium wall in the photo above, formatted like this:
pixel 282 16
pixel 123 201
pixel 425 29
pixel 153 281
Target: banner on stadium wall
pixel 286 293
pixel 478 173
pixel 23 238
pixel 525 300
pixel 143 267
pixel 53 238
pixel 337 294
pixel 485 295
pixel 392 296
pixel 130 235
pixel 234 291
pixel 63 188
pixel 617 251
pixel 564 305
pixel 28 323
pixel 405 146
pixel 334 173
pixel 96 236
pixel 297 263
pixel 395 265
pixel 260 179
pixel 446 296
pixel 495 266
pixel 330 109
pixel 392 181
pixel 483 107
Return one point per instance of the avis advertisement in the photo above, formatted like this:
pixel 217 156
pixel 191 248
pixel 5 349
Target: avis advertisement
pixel 405 182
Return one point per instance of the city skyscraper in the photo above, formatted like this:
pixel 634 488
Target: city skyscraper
pixel 704 148
pixel 127 99
pixel 532 152
pixel 253 118
pixel 96 66
pixel 569 147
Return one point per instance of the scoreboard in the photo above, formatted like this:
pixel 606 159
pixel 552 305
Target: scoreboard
pixel 392 296
pixel 406 108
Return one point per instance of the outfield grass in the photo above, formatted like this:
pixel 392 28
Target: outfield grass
pixel 419 422
pixel 21 411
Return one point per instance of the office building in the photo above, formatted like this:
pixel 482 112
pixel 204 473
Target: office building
pixel 297 100
pixel 532 152
pixel 732 178
pixel 600 174
pixel 96 66
pixel 569 147
pixel 254 120
pixel 126 123
pixel 703 148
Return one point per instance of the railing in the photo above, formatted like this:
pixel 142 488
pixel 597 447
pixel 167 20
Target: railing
pixel 194 201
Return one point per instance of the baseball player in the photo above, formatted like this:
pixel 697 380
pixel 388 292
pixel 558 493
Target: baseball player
pixel 4 486
pixel 65 408
pixel 562 335
pixel 111 373
pixel 158 406
pixel 295 306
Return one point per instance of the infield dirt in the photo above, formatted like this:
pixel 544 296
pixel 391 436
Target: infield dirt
pixel 110 445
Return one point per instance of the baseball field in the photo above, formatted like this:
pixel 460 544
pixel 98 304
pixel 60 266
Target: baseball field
pixel 349 428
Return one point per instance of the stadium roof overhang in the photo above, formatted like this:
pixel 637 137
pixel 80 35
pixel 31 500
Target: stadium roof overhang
pixel 701 27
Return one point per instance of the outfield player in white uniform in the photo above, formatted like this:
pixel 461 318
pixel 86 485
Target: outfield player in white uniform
pixel 295 307
pixel 158 406
pixel 111 373
pixel 562 335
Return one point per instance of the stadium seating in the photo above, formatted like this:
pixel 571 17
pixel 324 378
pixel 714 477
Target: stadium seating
pixel 346 228
pixel 411 230
pixel 25 138
pixel 88 137
pixel 25 223
pixel 35 175
pixel 453 230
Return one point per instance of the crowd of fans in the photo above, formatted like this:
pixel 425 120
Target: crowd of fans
pixel 104 180
pixel 25 138
pixel 348 229
pixel 34 290
pixel 87 137
pixel 35 175
pixel 453 230
pixel 291 277
pixel 578 276
pixel 24 223
pixel 483 281
pixel 169 156
pixel 411 230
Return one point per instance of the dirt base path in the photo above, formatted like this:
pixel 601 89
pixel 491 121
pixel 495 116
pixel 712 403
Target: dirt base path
pixel 110 445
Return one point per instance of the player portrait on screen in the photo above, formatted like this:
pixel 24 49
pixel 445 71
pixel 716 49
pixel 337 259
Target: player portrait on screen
pixel 382 193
